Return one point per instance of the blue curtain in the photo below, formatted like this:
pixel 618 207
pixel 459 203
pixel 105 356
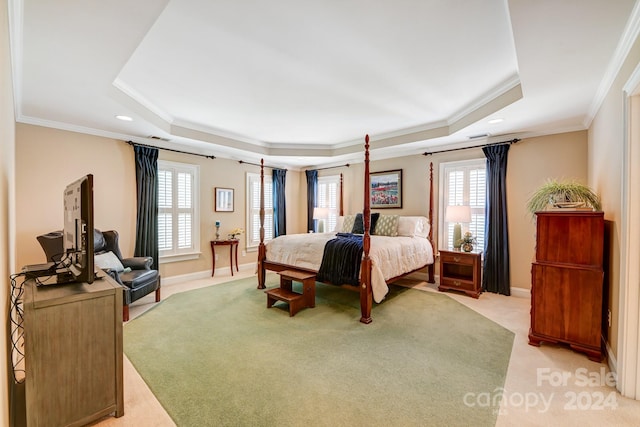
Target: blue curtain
pixel 495 277
pixel 147 196
pixel 312 195
pixel 279 206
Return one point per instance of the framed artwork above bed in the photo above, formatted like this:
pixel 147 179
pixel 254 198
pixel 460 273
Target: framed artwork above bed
pixel 386 189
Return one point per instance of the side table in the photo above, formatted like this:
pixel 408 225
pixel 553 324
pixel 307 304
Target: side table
pixel 233 247
pixel 461 271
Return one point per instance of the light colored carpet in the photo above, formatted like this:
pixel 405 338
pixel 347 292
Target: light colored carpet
pixel 218 356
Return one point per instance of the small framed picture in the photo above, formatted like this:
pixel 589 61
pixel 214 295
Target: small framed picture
pixel 224 199
pixel 386 189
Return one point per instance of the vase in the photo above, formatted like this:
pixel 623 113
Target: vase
pixel 467 247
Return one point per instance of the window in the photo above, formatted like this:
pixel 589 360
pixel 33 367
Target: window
pixel 328 197
pixel 178 213
pixel 253 210
pixel 463 183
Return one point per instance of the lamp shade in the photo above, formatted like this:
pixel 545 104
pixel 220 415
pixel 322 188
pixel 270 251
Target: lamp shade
pixel 320 213
pixel 458 214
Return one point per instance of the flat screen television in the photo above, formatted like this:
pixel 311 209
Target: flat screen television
pixel 78 229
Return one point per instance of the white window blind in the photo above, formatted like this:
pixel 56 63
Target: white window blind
pixel 253 211
pixel 178 213
pixel 463 183
pixel 329 197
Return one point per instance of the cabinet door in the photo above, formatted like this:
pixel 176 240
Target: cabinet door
pixel 567 303
pixel 570 238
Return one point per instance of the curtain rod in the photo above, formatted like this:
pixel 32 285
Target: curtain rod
pixel 257 164
pixel 331 167
pixel 512 141
pixel 171 149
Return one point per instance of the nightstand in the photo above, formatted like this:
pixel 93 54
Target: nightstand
pixel 461 271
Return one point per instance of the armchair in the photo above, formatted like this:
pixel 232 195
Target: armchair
pixel 133 274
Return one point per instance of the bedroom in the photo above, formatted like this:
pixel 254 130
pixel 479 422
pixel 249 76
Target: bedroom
pixel 597 161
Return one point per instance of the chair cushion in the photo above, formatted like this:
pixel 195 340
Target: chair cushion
pixel 135 279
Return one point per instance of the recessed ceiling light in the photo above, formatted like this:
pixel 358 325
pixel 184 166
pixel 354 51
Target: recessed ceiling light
pixel 494 121
pixel 125 118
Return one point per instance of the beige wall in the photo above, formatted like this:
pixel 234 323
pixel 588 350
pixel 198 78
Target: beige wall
pixel 231 174
pixel 531 162
pixel 39 195
pixel 49 159
pixel 7 179
pixel 606 146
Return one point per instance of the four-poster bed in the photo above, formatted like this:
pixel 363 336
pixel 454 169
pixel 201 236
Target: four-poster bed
pixel 414 253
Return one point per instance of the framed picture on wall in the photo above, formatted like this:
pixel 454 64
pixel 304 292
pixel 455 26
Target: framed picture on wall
pixel 386 189
pixel 224 199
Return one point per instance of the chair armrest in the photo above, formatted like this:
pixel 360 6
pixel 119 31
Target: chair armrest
pixel 138 262
pixel 114 275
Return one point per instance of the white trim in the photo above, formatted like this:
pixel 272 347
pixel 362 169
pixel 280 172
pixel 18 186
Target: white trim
pixel 166 259
pixel 611 360
pixel 521 292
pixel 628 38
pixel 205 274
pixel 628 363
pixel 16 32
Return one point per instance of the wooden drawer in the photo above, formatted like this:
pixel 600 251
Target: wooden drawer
pixel 457 258
pixel 458 283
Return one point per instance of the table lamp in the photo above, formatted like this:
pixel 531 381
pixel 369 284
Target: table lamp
pixel 457 214
pixel 320 214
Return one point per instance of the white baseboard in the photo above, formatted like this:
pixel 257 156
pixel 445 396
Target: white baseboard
pixel 520 292
pixel 172 280
pixel 611 360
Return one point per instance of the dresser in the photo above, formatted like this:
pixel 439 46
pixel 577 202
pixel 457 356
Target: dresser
pixel 567 280
pixel 73 352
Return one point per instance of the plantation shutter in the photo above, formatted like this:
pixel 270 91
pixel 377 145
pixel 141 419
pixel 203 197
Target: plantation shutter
pixel 464 183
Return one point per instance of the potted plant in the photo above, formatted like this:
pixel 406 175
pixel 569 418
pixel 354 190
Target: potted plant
pixel 565 194
pixel 467 242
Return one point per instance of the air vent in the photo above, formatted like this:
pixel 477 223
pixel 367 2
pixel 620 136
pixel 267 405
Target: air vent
pixel 159 138
pixel 482 135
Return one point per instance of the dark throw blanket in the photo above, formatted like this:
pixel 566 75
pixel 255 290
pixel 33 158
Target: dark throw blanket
pixel 341 260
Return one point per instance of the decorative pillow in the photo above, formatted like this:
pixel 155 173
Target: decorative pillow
pixel 411 226
pixel 347 223
pixel 108 261
pixel 358 225
pixel 387 225
pixel 339 223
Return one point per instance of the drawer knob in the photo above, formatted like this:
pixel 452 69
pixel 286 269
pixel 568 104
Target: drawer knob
pixel 457 258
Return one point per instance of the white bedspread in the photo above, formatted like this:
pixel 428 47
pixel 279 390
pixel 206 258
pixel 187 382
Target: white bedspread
pixel 390 256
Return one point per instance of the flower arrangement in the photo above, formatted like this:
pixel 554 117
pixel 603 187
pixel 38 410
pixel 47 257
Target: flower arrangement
pixel 467 242
pixel 233 235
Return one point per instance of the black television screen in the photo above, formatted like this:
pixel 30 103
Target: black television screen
pixel 78 228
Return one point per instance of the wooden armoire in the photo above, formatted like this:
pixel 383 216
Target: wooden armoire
pixel 567 280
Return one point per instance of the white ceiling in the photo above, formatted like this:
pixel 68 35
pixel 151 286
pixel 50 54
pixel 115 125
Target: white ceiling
pixel 300 82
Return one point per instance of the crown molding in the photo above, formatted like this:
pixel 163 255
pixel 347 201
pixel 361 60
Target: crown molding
pixel 628 38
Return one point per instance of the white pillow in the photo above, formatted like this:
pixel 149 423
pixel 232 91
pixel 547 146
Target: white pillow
pixel 108 260
pixel 411 226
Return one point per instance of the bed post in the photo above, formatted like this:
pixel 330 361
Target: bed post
pixel 262 252
pixel 341 196
pixel 366 296
pixel 431 268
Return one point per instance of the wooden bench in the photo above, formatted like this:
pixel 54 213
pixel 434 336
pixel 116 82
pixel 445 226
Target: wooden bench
pixel 286 294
